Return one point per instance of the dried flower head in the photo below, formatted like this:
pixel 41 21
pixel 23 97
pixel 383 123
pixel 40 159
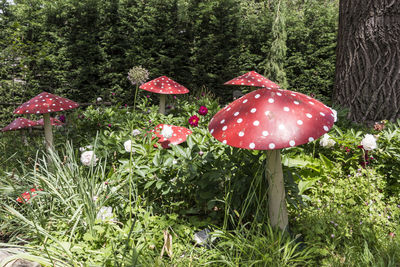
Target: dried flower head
pixel 138 75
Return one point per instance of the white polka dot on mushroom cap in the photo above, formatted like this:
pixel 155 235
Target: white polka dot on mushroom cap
pixel 241 134
pixel 222 122
pixel 326 128
pixel 308 115
pixel 252 145
pixel 292 143
pixel 300 122
pixel 253 110
pixel 245 101
pixel 257 96
pixel 224 128
pixel 256 123
pixel 271 100
pixel 236 113
pixel 271 145
pixel 310 139
pixel 265 133
pixel 286 109
pixel 239 120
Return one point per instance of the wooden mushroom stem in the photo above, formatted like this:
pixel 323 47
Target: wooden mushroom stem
pixel 48 134
pixel 276 190
pixel 162 104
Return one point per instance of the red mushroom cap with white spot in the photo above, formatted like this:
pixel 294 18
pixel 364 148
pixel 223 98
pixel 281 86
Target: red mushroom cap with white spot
pixel 45 103
pixel 271 119
pixel 252 78
pixel 179 135
pixel 19 123
pixel 53 121
pixel 164 85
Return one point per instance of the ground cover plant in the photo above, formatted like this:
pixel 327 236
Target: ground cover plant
pixel 135 203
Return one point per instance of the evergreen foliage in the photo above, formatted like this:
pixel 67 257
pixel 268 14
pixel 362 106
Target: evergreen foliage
pixel 84 49
pixel 274 62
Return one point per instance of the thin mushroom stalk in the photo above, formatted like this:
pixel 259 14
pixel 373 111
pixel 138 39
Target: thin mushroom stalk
pixel 278 214
pixel 48 133
pixel 162 104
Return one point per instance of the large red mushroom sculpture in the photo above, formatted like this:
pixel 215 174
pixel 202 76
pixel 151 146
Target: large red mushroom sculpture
pixel 272 119
pixel 253 78
pixel 174 136
pixel 44 103
pixel 164 86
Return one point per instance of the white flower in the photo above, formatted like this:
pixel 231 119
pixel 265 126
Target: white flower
pixel 369 142
pixel 99 99
pixel 128 146
pixel 105 214
pixel 135 132
pixel 88 158
pixel 326 141
pixel 167 132
pixel 174 161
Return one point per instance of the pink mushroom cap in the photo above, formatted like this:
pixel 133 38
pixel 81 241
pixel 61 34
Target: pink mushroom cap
pixel 53 121
pixel 45 103
pixel 252 78
pixel 179 135
pixel 268 119
pixel 19 123
pixel 164 85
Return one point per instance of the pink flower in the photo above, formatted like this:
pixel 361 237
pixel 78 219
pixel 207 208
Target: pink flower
pixel 203 110
pixel 194 120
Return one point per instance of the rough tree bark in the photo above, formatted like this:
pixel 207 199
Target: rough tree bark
pixel 368 59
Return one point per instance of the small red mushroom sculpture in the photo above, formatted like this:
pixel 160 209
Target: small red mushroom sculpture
pixel 164 86
pixel 171 134
pixel 19 123
pixel 44 103
pixel 252 78
pixel 272 119
pixel 53 121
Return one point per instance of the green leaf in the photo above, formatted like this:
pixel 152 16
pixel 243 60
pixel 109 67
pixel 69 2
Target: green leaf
pixel 149 183
pixel 327 163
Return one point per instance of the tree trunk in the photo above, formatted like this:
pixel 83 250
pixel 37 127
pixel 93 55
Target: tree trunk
pixel 367 78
